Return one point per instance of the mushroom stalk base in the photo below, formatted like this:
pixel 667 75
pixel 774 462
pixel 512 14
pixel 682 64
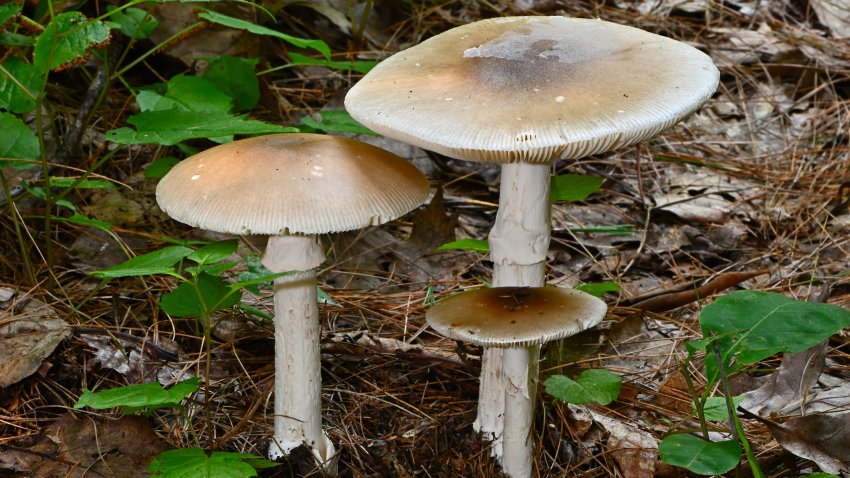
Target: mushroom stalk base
pixel 298 379
pixel 519 406
pixel 519 242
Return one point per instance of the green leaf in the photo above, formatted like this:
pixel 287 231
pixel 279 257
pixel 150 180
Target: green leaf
pixel 821 474
pixel 715 408
pixel 574 187
pixel 12 96
pixel 9 12
pixel 259 280
pixel 597 289
pixel 136 397
pixel 214 252
pixel 160 167
pixel 595 385
pixel 15 39
pixel 195 463
pixel 172 126
pixel 133 22
pixel 212 294
pixel 83 220
pixel 297 59
pixel 477 245
pixel 755 325
pixel 156 262
pixel 236 77
pixel 186 93
pixel 336 121
pixel 17 141
pixel 322 297
pixel 700 456
pixel 60 182
pixel 256 269
pixel 239 24
pixel 66 39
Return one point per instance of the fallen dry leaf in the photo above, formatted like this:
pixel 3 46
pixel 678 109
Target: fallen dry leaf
pixel 634 450
pixel 29 332
pixel 788 385
pixel 85 447
pixel 820 437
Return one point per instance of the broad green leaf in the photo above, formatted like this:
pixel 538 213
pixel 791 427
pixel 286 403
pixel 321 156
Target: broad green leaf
pixel 195 463
pixel 160 167
pixel 60 182
pixel 217 268
pixel 17 141
pixel 12 97
pixel 239 24
pixel 297 59
pixel 157 262
pixel 66 39
pixel 186 93
pixel 700 456
pixel 9 12
pixel 574 187
pixel 336 121
pixel 172 126
pixel 715 409
pixel 16 39
pixel 134 22
pixel 150 100
pixel 597 289
pixel 477 245
pixel 763 323
pixel 136 397
pixel 821 474
pixel 214 252
pixel 186 300
pixel 39 192
pixel 236 77
pixel 595 385
pixel 83 220
pixel 194 93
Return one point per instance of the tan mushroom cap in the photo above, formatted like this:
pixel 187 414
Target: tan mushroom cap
pixel 515 316
pixel 291 183
pixel 533 89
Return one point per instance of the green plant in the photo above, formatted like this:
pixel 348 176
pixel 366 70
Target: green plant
pixel 195 462
pixel 741 329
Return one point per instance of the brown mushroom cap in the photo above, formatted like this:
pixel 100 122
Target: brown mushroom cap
pixel 291 183
pixel 515 316
pixel 533 89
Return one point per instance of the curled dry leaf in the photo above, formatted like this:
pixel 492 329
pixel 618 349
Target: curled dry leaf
pixel 822 438
pixel 789 385
pixel 634 450
pixel 78 447
pixel 29 332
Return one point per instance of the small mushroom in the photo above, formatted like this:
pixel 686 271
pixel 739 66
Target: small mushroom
pixel 293 187
pixel 514 318
pixel 525 92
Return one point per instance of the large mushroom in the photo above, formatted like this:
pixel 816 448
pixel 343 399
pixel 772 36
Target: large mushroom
pixel 293 187
pixel 524 92
pixel 513 318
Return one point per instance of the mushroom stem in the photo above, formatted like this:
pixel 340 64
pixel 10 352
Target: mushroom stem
pixel 519 242
pixel 519 396
pixel 298 379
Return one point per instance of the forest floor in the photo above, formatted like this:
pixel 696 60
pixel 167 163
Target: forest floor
pixel 750 192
